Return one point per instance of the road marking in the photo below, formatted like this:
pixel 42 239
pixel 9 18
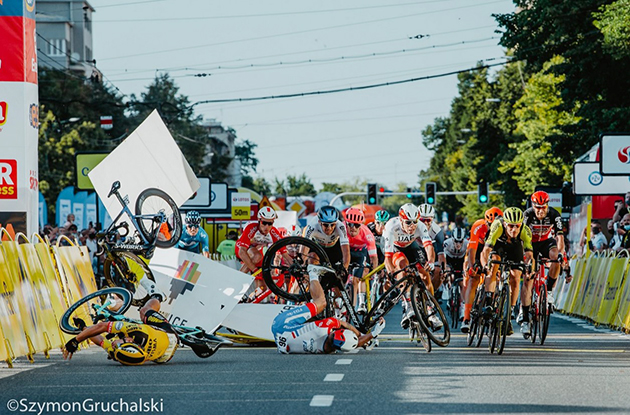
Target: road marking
pixel 333 377
pixel 343 361
pixel 322 400
pixel 517 349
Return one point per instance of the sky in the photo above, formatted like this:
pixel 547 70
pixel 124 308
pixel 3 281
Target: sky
pixel 249 49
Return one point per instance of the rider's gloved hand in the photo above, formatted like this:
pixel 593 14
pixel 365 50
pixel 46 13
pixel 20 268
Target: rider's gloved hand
pixel 430 266
pixel 72 346
pixel 376 330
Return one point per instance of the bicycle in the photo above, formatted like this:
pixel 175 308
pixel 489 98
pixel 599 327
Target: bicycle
pixel 110 304
pixel 455 277
pixel 540 311
pixel 158 224
pixel 309 252
pixel 372 287
pixel 501 307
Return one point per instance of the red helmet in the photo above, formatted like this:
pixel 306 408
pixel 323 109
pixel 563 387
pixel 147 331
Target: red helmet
pixel 493 213
pixel 540 198
pixel 354 215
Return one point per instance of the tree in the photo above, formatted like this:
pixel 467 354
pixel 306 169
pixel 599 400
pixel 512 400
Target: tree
pixel 613 20
pixel 295 186
pixel 244 152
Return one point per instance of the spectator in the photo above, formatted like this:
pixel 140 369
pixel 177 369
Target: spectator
pixel 92 247
pixel 70 221
pixel 598 239
pixel 621 208
pixel 227 247
pixel 625 225
pixel 616 239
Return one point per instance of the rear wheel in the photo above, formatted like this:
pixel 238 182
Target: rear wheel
pixel 419 334
pixel 113 301
pixel 504 316
pixel 534 316
pixel 125 269
pixel 153 201
pixel 545 311
pixel 302 252
pixel 384 304
pixel 427 310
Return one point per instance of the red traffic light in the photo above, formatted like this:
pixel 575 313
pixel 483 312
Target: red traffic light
pixel 381 189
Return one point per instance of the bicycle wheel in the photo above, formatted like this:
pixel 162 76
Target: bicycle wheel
pixel 544 316
pixel 119 298
pixel 427 309
pixel 202 344
pixel 474 318
pixel 493 331
pixel 455 305
pixel 150 202
pixel 125 269
pixel 534 313
pixel 384 304
pixel 504 317
pixel 302 252
pixel 418 333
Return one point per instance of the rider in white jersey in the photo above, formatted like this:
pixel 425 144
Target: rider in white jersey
pixel 427 213
pixel 331 234
pixel 455 252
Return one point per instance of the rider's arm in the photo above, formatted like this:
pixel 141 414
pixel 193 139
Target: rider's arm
pixel 203 238
pixel 439 247
pixel 345 252
pixel 344 242
pixel 92 331
pixel 371 247
pixel 559 232
pixel 526 237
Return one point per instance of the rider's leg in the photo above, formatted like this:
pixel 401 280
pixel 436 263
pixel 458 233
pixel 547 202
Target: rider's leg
pixel 554 269
pixel 526 293
pixel 469 295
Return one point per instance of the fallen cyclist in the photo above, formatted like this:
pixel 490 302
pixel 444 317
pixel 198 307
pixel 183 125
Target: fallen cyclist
pixel 132 343
pixel 294 333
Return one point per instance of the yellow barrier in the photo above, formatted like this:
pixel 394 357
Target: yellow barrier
pixel 610 299
pixel 14 340
pixel 622 315
pixel 75 269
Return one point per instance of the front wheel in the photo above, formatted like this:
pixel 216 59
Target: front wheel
pixel 149 203
pixel 108 301
pixel 545 311
pixel 504 315
pixel 302 251
pixel 125 269
pixel 430 315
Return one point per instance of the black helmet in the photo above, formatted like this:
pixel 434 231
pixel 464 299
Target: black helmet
pixel 193 218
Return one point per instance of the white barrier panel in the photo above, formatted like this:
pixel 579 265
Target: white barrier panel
pixel 199 291
pixel 255 319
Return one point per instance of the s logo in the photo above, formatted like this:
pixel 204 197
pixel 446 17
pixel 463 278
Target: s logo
pixel 624 155
pixel 3 112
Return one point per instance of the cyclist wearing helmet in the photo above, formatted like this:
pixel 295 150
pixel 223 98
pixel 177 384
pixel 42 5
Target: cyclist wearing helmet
pixel 194 238
pixel 377 227
pixel 255 237
pixel 330 233
pixel 427 213
pixel 131 343
pixel 478 233
pixel 547 238
pixel 401 249
pixel 362 245
pixel 294 332
pixel 508 238
pixel 455 252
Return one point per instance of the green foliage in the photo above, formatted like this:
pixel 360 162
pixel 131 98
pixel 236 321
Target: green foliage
pixel 295 186
pixel 613 20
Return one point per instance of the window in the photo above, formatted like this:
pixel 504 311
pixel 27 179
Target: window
pixel 57 47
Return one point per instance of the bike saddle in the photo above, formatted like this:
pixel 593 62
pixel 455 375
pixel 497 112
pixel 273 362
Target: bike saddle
pixel 115 187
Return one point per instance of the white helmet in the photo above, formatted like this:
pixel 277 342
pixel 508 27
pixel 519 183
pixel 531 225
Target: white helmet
pixel 345 340
pixel 426 211
pixel 409 211
pixel 267 213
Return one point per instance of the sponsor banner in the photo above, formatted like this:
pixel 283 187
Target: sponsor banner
pixel 18 53
pixel 148 158
pixel 199 291
pixel 241 206
pixel 75 268
pixel 588 180
pixel 19 8
pixel 612 291
pixel 255 319
pixel 615 155
pixel 8 179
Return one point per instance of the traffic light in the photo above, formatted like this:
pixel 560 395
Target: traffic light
pixel 409 195
pixel 482 192
pixel 429 190
pixel 371 193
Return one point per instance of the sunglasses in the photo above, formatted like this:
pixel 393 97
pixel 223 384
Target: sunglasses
pixel 513 225
pixel 427 220
pixel 409 222
pixel 192 226
pixel 263 222
pixel 328 225
pixel 540 207
pixel 354 225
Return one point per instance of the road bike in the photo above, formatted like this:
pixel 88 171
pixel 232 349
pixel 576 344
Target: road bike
pixel 157 223
pixel 110 304
pixel 455 277
pixel 307 252
pixel 540 311
pixel 373 284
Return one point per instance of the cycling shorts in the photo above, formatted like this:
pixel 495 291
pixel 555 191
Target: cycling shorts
pixel 457 264
pixel 359 256
pixel 509 252
pixel 334 253
pixel 380 255
pixel 543 247
pixel 257 264
pixel 293 319
pixel 413 253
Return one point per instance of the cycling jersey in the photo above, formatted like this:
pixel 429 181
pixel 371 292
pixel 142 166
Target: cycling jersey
pixel 251 236
pixel 191 243
pixel 478 233
pixel 158 345
pixel 315 232
pixel 364 239
pixel 377 238
pixel 394 236
pixel 294 335
pixel 451 252
pixel 548 227
pixel 498 234
pixel 436 233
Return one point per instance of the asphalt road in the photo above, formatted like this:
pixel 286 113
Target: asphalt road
pixel 580 369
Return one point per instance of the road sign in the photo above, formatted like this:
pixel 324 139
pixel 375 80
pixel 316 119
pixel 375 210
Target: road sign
pixel 615 155
pixel 264 202
pixel 84 163
pixel 297 206
pixel 588 180
pixel 241 206
pixel 107 122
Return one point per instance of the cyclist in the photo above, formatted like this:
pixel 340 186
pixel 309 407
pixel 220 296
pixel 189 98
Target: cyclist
pixel 294 334
pixel 547 240
pixel 194 238
pixel 131 343
pixel 478 233
pixel 427 213
pixel 508 238
pixel 455 253
pixel 401 249
pixel 362 245
pixel 330 233
pixel 256 237
pixel 377 227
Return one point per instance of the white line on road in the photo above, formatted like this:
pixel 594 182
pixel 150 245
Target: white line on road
pixel 322 400
pixel 343 361
pixel 333 377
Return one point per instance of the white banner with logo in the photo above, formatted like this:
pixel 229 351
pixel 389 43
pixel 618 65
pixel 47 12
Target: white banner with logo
pixel 199 291
pixel 588 180
pixel 615 155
